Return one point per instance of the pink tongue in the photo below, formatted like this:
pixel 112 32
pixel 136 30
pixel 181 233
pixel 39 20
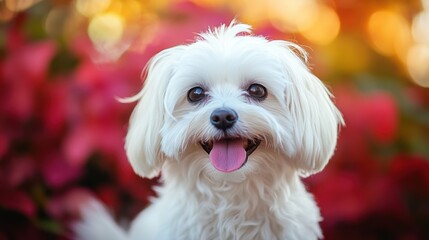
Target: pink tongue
pixel 228 155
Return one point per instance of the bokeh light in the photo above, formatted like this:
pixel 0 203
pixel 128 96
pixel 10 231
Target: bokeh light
pixel 420 27
pixel 293 16
pixel 389 33
pixel 418 56
pixel 425 4
pixel 89 8
pixel 418 64
pixel 106 30
pixel 324 28
pixel 19 5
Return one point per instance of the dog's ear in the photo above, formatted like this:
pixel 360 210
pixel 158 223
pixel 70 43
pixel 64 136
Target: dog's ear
pixel 320 121
pixel 143 140
pixel 315 117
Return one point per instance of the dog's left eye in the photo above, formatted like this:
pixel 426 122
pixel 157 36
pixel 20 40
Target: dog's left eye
pixel 257 91
pixel 196 94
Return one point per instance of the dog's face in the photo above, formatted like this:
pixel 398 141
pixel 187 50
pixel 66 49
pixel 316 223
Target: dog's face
pixel 228 101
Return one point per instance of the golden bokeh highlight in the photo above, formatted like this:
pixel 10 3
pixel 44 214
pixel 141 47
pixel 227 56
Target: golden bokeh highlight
pixel 325 28
pixel 389 33
pixel 420 27
pixel 418 55
pixel 19 5
pixel 211 3
pixel 90 8
pixel 106 30
pixel 425 4
pixel 254 13
pixel 133 9
pixel 317 22
pixel 9 8
pixel 293 16
pixel 418 64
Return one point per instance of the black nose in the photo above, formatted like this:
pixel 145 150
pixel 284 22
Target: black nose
pixel 223 118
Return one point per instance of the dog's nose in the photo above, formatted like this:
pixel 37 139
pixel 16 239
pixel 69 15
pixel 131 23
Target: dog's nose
pixel 223 118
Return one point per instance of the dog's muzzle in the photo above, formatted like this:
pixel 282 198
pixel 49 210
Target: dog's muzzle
pixel 230 153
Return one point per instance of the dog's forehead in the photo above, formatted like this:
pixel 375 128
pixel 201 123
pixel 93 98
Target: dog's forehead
pixel 235 65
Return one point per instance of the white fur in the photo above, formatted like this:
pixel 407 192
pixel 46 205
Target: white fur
pixel 265 199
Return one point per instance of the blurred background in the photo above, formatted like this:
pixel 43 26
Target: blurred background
pixel 64 62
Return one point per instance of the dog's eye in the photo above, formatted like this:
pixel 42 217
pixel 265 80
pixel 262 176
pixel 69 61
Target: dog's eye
pixel 257 91
pixel 196 94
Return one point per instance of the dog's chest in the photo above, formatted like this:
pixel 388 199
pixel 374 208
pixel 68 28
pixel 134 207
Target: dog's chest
pixel 186 213
pixel 225 216
pixel 236 225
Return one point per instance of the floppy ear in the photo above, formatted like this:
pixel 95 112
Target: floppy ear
pixel 315 117
pixel 320 121
pixel 142 143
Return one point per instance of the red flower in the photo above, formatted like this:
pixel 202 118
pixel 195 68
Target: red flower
pixel 374 115
pixel 372 122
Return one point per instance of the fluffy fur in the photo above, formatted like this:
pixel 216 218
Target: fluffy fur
pixel 297 124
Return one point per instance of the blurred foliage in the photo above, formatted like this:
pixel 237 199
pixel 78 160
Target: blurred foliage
pixel 63 63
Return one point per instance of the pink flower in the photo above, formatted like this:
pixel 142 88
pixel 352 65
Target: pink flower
pixel 24 69
pixel 372 122
pixel 78 145
pixel 58 172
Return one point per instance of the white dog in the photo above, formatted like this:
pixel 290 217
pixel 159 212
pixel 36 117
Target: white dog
pixel 233 121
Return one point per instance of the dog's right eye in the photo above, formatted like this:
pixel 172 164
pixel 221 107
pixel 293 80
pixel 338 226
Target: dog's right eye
pixel 196 94
pixel 257 91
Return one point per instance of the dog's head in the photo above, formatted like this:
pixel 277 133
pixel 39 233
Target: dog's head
pixel 228 100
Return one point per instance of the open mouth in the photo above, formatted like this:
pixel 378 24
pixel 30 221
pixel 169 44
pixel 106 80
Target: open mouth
pixel 230 154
